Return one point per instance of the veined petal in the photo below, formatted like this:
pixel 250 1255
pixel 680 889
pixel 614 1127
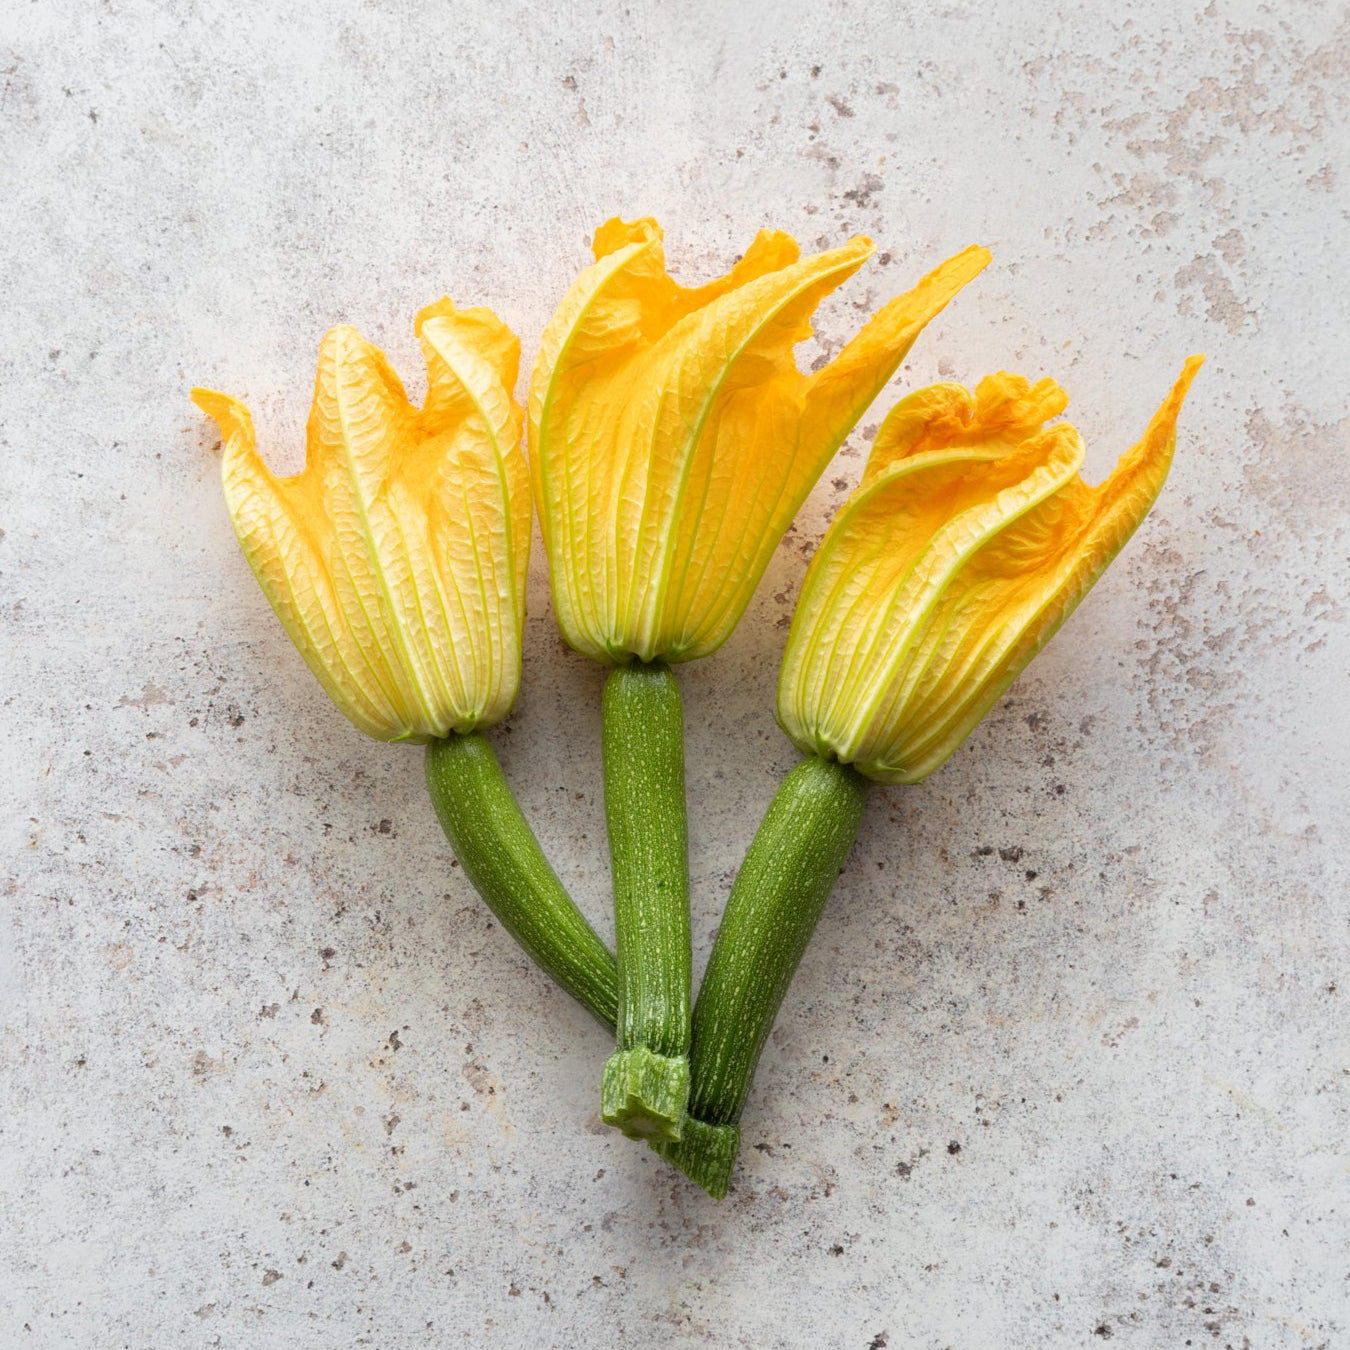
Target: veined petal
pixel 396 559
pixel 762 494
pixel 601 319
pixel 472 468
pixel 475 338
pixel 951 567
pixel 359 419
pixel 1002 412
pixel 722 373
pixel 877 584
pixel 769 251
pixel 1035 577
pixel 842 390
pixel 282 543
pixel 609 361
pixel 672 436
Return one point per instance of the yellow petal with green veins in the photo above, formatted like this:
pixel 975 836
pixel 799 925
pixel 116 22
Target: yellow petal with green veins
pixel 673 438
pixel 875 589
pixel 1036 575
pixel 396 560
pixel 756 504
pixel 970 541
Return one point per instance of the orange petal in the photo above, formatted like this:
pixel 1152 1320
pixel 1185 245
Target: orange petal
pixel 673 437
pixel 396 560
pixel 919 611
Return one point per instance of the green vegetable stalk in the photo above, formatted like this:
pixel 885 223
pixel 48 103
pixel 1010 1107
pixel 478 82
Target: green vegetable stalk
pixel 778 896
pixel 501 856
pixel 646 1081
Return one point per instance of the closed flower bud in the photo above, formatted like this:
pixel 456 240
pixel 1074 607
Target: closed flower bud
pixel 968 543
pixel 396 560
pixel 672 437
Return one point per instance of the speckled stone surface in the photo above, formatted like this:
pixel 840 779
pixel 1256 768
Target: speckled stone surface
pixel 1068 1062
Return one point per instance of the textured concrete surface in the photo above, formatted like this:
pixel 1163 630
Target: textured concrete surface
pixel 1068 1062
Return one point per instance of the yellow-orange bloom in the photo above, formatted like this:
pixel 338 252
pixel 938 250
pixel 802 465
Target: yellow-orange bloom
pixel 672 437
pixel 396 561
pixel 968 543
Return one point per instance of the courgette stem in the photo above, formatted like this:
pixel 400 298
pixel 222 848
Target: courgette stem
pixel 646 1081
pixel 777 899
pixel 500 855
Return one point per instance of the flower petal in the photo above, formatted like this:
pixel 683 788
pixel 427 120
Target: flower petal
pixel 284 547
pixel 1003 411
pixel 1034 578
pixel 970 541
pixel 875 590
pixel 397 558
pixel 848 385
pixel 471 489
pixel 673 436
pixel 715 408
pixel 762 506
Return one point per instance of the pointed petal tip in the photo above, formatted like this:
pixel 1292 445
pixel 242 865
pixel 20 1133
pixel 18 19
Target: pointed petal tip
pixel 1190 368
pixel 852 253
pixel 961 268
pixel 1167 414
pixel 952 275
pixel 874 353
pixel 444 308
pixel 206 399
pixel 230 415
pixel 344 341
pixel 1150 458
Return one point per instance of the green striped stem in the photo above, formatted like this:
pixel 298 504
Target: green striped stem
pixel 500 855
pixel 646 1082
pixel 787 876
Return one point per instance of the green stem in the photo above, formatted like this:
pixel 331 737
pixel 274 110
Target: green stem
pixel 646 1082
pixel 500 855
pixel 775 903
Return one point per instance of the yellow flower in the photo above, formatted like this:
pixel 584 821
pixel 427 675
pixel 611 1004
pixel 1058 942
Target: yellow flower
pixel 672 437
pixel 968 543
pixel 396 561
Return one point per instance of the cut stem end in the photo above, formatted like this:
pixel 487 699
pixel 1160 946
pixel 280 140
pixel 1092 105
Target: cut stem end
pixel 645 1094
pixel 705 1153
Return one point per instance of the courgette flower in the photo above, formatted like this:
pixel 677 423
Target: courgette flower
pixel 672 437
pixel 396 560
pixel 968 543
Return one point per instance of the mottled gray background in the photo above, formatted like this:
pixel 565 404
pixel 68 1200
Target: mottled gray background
pixel 1068 1061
